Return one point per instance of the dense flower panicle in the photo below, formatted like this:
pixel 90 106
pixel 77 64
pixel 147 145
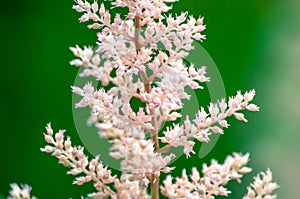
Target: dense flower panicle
pixel 211 184
pixel 116 39
pixel 20 192
pixel 262 187
pixel 116 50
pixel 141 57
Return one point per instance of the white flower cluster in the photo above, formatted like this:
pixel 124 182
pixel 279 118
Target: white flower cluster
pixel 74 157
pixel 177 35
pixel 262 187
pixel 206 123
pixel 128 187
pixel 20 192
pixel 215 177
pixel 148 10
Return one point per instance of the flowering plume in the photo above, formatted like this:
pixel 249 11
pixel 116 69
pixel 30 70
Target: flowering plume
pixel 140 55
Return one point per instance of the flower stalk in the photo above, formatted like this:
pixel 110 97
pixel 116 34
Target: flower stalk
pixel 154 132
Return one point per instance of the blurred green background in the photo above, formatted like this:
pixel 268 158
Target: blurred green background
pixel 255 44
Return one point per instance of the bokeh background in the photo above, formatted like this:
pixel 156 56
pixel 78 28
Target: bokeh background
pixel 255 44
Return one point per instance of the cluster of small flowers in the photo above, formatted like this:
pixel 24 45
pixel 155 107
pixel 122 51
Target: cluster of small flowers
pixel 139 156
pixel 262 187
pixel 147 10
pixel 215 177
pixel 20 192
pixel 129 186
pixel 177 35
pixel 106 106
pixel 91 11
pixel 72 156
pixel 117 39
pixel 206 123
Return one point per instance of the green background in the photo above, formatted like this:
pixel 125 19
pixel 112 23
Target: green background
pixel 255 44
